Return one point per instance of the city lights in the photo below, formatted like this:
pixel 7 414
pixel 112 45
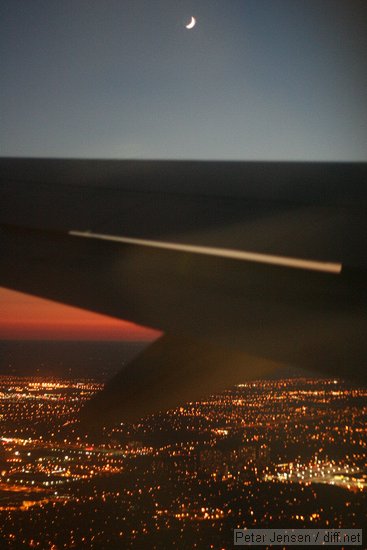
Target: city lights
pixel 259 454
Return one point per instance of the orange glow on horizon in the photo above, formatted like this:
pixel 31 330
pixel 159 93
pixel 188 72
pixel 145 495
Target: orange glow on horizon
pixel 26 317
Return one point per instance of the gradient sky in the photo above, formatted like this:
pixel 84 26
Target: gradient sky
pixel 25 317
pixel 255 79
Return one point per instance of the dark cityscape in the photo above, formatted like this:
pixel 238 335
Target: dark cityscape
pixel 262 454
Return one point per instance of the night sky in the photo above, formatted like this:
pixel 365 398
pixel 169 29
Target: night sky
pixel 255 79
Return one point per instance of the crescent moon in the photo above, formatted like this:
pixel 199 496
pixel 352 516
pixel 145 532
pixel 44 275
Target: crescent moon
pixel 192 23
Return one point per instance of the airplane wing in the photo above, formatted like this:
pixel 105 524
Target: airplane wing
pixel 242 265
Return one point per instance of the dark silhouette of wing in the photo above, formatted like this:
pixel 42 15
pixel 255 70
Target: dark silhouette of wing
pixel 241 265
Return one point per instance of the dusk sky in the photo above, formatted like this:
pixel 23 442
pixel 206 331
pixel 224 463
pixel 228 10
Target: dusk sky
pixel 254 79
pixel 25 317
